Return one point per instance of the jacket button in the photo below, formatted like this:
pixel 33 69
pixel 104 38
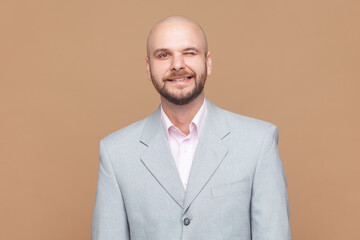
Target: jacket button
pixel 186 221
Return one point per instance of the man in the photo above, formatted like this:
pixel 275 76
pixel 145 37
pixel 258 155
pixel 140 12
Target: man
pixel 190 170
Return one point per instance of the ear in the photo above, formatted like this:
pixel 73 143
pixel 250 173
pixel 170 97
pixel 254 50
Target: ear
pixel 148 67
pixel 208 63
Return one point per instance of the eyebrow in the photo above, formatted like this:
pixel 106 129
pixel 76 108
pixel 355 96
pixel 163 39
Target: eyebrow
pixel 167 50
pixel 192 49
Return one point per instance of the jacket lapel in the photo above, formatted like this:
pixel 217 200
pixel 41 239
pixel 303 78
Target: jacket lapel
pixel 209 153
pixel 158 159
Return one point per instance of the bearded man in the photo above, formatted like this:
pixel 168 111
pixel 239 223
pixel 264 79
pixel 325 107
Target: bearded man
pixel 191 170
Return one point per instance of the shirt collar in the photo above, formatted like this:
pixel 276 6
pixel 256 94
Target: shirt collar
pixel 198 120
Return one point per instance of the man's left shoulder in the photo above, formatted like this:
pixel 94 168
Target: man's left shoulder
pixel 237 122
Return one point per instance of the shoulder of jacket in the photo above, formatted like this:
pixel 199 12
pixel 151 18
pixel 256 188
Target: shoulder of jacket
pixel 244 123
pixel 125 134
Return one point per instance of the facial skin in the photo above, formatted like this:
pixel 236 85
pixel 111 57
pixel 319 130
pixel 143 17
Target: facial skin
pixel 178 61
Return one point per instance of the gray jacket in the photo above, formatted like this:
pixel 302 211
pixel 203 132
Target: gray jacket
pixel 236 188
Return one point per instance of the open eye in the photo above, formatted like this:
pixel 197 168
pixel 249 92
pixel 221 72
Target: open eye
pixel 163 55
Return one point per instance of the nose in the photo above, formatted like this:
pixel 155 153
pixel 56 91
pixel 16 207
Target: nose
pixel 177 62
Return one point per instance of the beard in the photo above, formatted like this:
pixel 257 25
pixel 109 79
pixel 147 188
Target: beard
pixel 181 99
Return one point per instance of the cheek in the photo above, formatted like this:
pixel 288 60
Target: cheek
pixel 196 64
pixel 159 69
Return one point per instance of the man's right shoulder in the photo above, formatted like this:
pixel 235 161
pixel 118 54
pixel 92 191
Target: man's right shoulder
pixel 125 135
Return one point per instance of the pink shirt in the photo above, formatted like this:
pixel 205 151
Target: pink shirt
pixel 183 147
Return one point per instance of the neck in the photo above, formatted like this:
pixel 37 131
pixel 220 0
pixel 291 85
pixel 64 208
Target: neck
pixel 181 115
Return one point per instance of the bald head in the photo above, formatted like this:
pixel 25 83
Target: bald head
pixel 171 26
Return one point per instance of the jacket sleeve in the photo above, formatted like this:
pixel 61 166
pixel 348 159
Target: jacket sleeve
pixel 109 220
pixel 269 201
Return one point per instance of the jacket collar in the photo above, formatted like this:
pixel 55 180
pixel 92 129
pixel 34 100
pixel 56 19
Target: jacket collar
pixel 215 120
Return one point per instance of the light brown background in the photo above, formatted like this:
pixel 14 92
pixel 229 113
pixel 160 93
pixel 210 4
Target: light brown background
pixel 74 71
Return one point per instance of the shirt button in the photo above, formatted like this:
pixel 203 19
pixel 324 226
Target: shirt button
pixel 186 221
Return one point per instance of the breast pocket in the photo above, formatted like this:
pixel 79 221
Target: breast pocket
pixel 230 189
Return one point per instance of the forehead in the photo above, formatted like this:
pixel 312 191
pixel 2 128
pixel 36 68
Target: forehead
pixel 176 36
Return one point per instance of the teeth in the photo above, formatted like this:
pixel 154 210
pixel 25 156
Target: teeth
pixel 181 79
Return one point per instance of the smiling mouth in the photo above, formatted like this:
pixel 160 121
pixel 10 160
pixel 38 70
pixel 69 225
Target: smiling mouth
pixel 179 79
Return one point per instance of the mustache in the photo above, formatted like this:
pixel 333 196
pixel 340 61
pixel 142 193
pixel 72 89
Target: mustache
pixel 179 74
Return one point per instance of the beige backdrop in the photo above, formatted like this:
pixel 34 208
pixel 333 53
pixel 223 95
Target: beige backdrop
pixel 74 71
